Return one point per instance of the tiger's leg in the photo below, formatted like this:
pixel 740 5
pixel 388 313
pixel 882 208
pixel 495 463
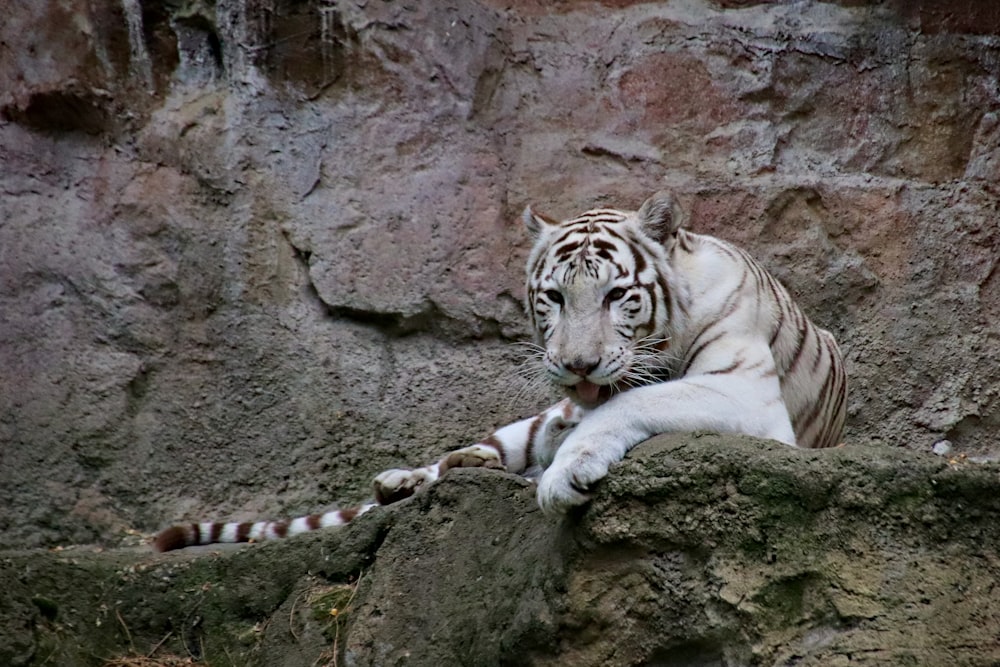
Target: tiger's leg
pixel 517 448
pixel 731 403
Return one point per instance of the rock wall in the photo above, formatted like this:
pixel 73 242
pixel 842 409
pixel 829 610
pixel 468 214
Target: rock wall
pixel 254 251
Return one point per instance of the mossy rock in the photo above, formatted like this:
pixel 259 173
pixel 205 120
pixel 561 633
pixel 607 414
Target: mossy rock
pixel 697 549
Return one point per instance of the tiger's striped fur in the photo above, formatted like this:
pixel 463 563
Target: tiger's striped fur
pixel 698 293
pixel 649 328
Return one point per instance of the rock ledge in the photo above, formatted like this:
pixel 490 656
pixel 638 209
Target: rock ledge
pixel 698 550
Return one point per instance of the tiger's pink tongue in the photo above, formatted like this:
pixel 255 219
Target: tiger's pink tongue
pixel 587 391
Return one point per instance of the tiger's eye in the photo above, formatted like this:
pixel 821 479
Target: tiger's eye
pixel 616 294
pixel 554 296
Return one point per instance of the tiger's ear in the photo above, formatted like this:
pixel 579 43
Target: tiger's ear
pixel 536 223
pixel 661 216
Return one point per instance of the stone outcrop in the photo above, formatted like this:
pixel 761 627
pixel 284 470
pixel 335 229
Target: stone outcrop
pixel 697 550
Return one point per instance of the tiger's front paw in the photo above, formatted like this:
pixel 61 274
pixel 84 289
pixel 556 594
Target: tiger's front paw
pixel 397 484
pixel 567 484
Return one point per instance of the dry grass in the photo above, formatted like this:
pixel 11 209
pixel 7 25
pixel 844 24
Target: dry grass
pixel 329 605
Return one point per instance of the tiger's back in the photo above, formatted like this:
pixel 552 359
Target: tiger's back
pixel 807 359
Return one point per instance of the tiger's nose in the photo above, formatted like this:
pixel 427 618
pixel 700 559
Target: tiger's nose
pixel 582 367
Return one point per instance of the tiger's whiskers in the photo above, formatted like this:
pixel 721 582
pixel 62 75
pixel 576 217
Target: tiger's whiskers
pixel 529 377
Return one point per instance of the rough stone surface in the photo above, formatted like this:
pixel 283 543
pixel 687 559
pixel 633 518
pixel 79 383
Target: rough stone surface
pixel 254 251
pixel 698 550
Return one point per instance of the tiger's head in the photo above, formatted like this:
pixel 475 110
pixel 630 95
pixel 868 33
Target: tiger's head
pixel 598 295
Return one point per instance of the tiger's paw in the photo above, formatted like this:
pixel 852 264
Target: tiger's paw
pixel 397 484
pixel 473 456
pixel 568 484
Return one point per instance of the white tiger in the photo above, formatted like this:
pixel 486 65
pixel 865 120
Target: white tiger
pixel 648 328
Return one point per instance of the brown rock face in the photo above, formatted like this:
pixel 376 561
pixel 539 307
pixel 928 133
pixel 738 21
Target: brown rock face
pixel 254 251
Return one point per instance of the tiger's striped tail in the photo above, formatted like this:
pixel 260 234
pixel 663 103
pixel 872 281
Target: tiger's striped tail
pixel 210 532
